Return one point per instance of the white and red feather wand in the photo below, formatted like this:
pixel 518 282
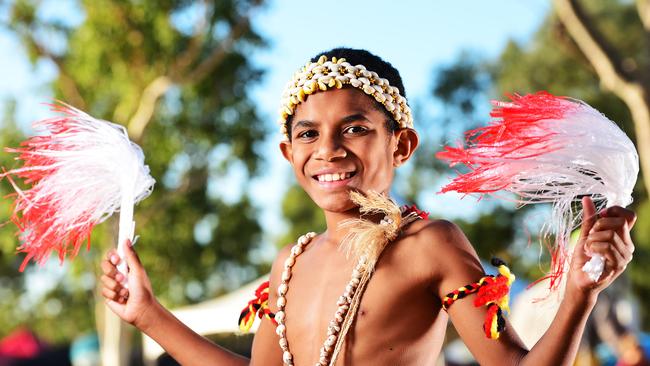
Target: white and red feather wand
pixel 545 148
pixel 80 172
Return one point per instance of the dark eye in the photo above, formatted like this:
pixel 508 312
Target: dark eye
pixel 355 130
pixel 307 134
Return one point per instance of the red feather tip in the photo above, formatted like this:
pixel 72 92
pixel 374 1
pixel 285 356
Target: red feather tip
pixel 36 209
pixel 514 134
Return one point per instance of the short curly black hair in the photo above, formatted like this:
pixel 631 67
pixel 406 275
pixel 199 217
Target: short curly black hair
pixel 371 62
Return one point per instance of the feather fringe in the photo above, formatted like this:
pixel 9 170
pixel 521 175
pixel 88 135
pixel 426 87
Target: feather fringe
pixel 367 239
pixel 545 148
pixel 77 174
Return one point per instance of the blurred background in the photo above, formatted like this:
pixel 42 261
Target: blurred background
pixel 197 84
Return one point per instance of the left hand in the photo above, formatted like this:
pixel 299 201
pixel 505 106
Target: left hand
pixel 607 234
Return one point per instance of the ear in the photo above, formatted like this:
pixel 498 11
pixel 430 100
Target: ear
pixel 407 143
pixel 287 150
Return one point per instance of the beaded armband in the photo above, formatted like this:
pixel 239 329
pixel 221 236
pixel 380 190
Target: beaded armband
pixel 493 292
pixel 258 306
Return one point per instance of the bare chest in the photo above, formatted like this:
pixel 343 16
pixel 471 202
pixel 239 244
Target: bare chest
pixel 398 314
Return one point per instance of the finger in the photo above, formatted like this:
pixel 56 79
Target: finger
pixel 132 259
pixel 625 249
pixel 113 257
pixel 608 223
pixel 119 277
pixel 624 233
pixel 110 253
pixel 614 261
pixel 618 211
pixel 613 239
pixel 110 283
pixel 588 216
pixel 618 224
pixel 108 268
pixel 109 294
pixel 123 294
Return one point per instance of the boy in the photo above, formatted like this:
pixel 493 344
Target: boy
pixel 348 135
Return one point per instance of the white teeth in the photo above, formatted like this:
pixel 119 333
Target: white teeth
pixel 333 177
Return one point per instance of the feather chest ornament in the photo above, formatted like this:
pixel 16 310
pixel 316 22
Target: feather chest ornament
pixel 80 172
pixel 549 149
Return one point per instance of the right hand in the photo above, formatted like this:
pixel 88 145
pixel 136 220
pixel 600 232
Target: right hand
pixel 129 298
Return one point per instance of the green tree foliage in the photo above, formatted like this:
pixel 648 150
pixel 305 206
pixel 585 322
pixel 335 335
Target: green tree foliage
pixel 549 61
pixel 302 214
pixel 176 74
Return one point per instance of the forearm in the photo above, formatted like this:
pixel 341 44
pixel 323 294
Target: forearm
pixel 560 343
pixel 183 344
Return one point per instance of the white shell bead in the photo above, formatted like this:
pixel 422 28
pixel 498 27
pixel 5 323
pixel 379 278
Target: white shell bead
pixel 287 357
pixel 282 289
pixel 342 300
pixel 281 302
pixel 286 276
pixel 330 340
pixel 281 330
pixel 279 316
pixel 296 250
pixel 291 260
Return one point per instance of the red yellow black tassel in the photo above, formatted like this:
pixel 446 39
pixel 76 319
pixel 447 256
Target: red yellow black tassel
pixel 493 292
pixel 258 306
pixel 406 210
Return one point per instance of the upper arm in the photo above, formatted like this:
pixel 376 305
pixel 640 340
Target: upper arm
pixel 266 349
pixel 461 266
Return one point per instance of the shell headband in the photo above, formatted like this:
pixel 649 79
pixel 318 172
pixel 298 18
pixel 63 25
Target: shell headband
pixel 326 74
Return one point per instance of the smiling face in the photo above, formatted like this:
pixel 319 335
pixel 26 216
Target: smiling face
pixel 339 142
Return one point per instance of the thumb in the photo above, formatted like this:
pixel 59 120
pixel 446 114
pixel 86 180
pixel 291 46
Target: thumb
pixel 132 259
pixel 589 216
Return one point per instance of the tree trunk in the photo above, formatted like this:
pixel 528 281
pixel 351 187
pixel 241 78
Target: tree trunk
pixel 114 336
pixel 633 90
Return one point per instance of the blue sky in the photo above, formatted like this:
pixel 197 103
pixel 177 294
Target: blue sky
pixel 415 36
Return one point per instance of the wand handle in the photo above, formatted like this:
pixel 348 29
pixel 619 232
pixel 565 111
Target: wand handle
pixel 126 226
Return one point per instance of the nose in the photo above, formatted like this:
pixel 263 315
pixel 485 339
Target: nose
pixel 330 149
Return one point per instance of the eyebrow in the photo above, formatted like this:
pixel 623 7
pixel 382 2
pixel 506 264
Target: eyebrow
pixel 350 118
pixel 305 123
pixel 354 117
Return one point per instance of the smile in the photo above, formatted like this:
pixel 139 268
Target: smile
pixel 335 177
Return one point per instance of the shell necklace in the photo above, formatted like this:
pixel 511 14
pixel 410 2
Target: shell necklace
pixel 335 325
pixel 367 241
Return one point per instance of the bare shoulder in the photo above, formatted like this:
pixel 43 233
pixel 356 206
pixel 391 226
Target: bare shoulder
pixel 441 248
pixel 439 238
